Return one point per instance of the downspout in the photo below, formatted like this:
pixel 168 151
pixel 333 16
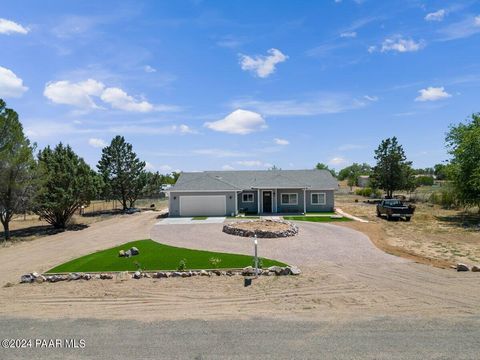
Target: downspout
pixel 258 200
pixel 236 203
pixel 304 201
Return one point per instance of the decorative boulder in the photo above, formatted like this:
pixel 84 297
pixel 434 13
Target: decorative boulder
pixel 134 251
pixel 122 276
pixel 276 269
pixel 128 253
pixel 106 276
pixel 248 271
pixel 137 275
pixel 74 276
pixel 121 253
pixel 476 268
pixel 28 278
pixel 294 270
pixel 204 273
pixel 40 279
pixel 462 267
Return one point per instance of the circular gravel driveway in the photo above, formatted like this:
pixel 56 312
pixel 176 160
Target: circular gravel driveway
pixel 315 243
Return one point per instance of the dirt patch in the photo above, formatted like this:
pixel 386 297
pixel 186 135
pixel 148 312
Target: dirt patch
pixel 261 228
pixel 435 236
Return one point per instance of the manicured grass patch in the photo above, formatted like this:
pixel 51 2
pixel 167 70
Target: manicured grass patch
pixel 316 218
pixel 326 213
pixel 243 217
pixel 200 218
pixel 155 256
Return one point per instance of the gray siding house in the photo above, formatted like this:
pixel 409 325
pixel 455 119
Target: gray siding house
pixel 221 193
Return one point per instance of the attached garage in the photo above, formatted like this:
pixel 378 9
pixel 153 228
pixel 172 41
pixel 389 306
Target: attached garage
pixel 203 205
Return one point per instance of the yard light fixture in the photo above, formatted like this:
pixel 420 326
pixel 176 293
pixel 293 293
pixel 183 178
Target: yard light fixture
pixel 256 254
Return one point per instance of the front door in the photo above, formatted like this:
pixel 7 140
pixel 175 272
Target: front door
pixel 267 201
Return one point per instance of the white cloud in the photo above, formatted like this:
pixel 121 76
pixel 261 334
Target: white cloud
pixel 349 34
pixel 432 94
pixel 399 44
pixel 10 84
pixel 227 167
pixel 436 16
pixel 279 141
pixel 371 98
pixel 261 65
pixel 254 164
pixel 150 130
pixel 324 103
pixel 239 122
pixel 82 95
pixel 461 29
pixel 75 94
pixel 149 69
pixel 337 161
pixel 120 100
pixel 8 27
pixel 97 143
pixel 149 166
pixel 185 129
pixel 372 49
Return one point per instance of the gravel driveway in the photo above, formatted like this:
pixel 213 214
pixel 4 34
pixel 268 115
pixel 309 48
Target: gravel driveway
pixel 315 243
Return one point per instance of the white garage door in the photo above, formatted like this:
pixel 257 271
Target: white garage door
pixel 203 205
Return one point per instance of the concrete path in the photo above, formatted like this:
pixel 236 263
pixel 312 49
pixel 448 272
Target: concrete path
pixel 191 221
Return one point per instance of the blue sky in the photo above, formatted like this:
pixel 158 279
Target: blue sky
pixel 197 85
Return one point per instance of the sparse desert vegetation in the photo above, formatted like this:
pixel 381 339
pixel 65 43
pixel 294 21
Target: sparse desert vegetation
pixel 440 236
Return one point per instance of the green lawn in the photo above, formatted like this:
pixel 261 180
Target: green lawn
pixel 155 256
pixel 200 218
pixel 316 218
pixel 326 213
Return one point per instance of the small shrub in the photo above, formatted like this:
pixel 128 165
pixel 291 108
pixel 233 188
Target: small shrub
pixel 260 263
pixel 138 265
pixel 215 262
pixel 368 192
pixel 424 180
pixel 446 198
pixel 182 265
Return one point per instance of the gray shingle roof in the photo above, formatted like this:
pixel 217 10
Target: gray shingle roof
pixel 249 179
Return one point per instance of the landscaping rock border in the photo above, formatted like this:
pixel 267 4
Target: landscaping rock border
pixel 232 229
pixel 125 275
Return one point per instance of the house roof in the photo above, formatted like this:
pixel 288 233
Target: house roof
pixel 249 179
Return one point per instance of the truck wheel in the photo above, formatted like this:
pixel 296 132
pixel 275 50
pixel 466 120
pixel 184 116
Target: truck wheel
pixel 378 214
pixel 389 217
pixel 408 218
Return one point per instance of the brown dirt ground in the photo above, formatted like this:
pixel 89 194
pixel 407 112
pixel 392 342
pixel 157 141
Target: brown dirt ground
pixel 435 236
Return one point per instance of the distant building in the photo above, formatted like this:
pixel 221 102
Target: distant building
pixel 363 181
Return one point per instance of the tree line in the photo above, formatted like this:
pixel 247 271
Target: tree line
pixel 55 182
pixel 393 172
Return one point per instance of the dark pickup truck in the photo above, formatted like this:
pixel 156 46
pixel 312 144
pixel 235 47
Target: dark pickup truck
pixel 394 208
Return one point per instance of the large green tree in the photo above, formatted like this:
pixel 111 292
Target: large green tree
pixel 322 166
pixel 353 172
pixel 122 172
pixel 67 183
pixel 392 171
pixel 463 142
pixel 17 168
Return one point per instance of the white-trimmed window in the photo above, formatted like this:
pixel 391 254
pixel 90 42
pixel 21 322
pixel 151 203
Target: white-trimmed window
pixel 247 198
pixel 289 199
pixel 318 198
